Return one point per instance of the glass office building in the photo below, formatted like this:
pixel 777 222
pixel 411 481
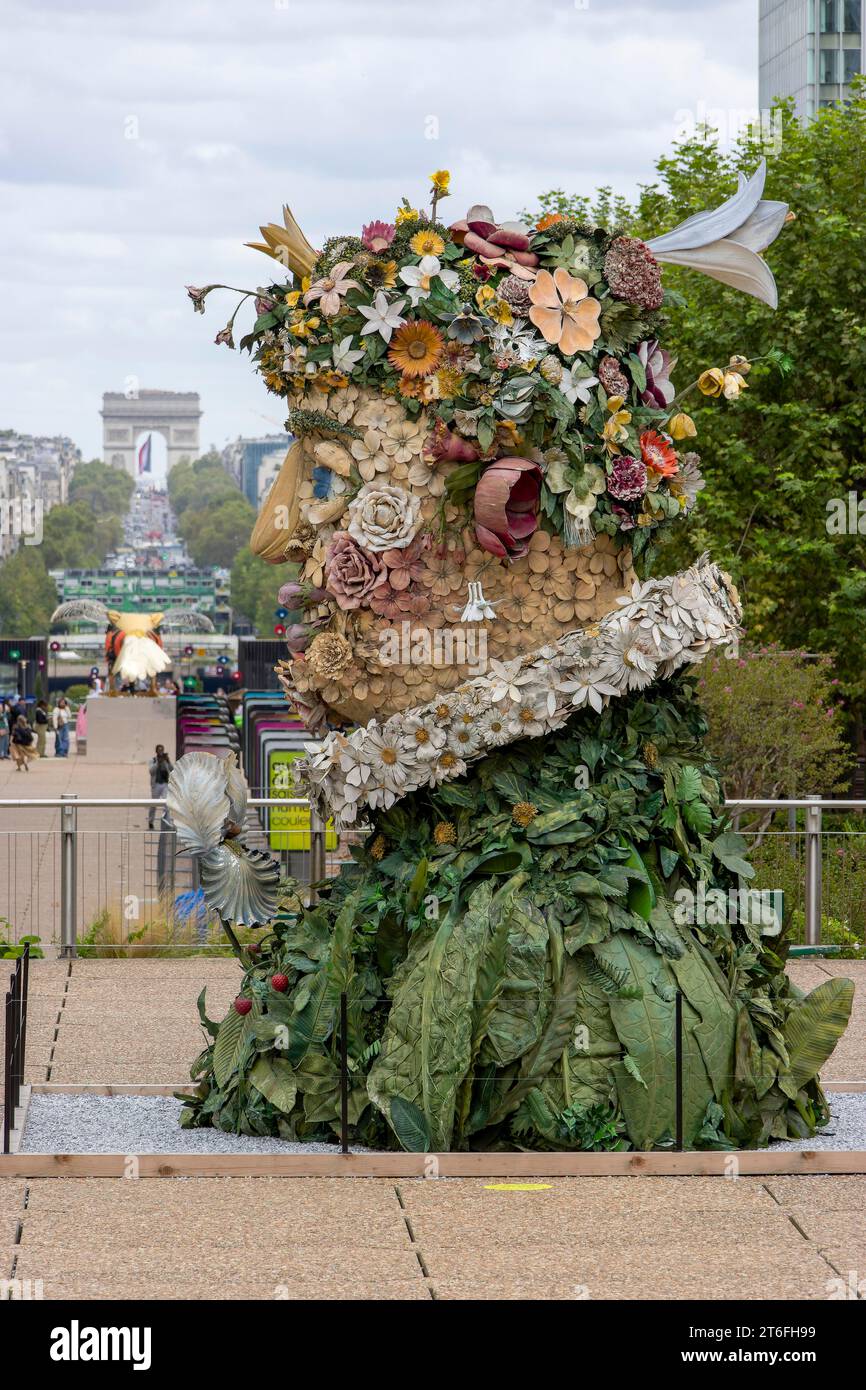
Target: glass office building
pixel 809 50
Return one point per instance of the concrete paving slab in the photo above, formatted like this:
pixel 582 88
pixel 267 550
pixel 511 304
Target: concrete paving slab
pixel 341 1290
pixel 218 1226
pixel 224 1264
pixel 843 1193
pixel 661 1195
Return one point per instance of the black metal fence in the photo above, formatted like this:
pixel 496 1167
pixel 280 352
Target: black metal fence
pixel 16 1040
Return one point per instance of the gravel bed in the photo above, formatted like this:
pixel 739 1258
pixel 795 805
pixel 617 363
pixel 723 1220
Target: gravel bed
pixel 846 1129
pixel 151 1125
pixel 136 1125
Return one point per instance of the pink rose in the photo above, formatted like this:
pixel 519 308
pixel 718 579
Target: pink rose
pixel 352 574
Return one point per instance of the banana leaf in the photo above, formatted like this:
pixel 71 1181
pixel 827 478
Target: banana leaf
pixel 815 1026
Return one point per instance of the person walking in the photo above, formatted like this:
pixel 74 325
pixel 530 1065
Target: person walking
pixel 40 719
pixel 5 728
pixel 159 768
pixel 60 722
pixel 23 739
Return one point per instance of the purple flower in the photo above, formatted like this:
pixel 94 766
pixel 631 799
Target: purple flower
pixel 625 519
pixel 225 336
pixel 627 479
pixel 658 365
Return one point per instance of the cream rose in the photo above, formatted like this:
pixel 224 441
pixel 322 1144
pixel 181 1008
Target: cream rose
pixel 383 517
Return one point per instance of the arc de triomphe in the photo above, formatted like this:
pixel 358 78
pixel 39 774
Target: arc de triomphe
pixel 173 414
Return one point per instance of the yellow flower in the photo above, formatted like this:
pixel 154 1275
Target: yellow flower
pixel 614 403
pixel 440 181
pixel 484 295
pixel 615 431
pixel 445 833
pixel 681 426
pixel 524 813
pixel 406 215
pixel 449 383
pixel 293 298
pixel 305 283
pixel 500 312
pixel 711 382
pixel 427 244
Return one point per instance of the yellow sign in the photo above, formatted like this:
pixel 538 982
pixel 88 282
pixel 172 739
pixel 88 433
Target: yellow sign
pixel 517 1186
pixel 289 826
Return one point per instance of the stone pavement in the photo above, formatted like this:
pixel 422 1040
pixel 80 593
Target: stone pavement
pixel 117 849
pixel 366 1238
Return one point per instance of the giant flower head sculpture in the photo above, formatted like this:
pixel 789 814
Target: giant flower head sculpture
pixel 207 800
pixel 460 399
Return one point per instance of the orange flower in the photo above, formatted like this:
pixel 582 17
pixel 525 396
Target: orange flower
pixel 561 310
pixel 548 221
pixel 658 454
pixel 416 348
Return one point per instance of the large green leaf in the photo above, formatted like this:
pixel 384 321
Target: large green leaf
pixel 229 1046
pixel 515 1022
pixel 410 1126
pixel 426 1045
pixel 558 1031
pixel 815 1026
pixel 276 1081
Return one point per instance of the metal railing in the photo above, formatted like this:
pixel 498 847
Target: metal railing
pixel 59 882
pixel 15 1043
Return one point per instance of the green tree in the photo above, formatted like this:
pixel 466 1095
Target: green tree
pixel 74 539
pixel 776 725
pixel 203 482
pixel 775 459
pixel 27 594
pixel 255 586
pixel 105 490
pixel 214 535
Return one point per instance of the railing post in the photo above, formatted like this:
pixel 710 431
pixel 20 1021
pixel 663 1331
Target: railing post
pixel 813 872
pixel 68 877
pixel 317 849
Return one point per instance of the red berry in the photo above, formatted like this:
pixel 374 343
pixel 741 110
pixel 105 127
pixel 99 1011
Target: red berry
pixel 243 1006
pixel 253 950
pixel 280 983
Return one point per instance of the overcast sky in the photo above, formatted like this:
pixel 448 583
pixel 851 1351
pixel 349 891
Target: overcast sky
pixel 143 141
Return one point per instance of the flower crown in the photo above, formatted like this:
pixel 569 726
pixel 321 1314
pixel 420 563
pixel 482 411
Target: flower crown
pixel 536 347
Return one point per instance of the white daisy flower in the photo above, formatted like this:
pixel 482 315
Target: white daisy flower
pixel 424 737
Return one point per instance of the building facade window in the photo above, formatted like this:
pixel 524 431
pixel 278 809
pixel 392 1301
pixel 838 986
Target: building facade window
pixel 852 17
pixel 852 64
pixel 829 65
pixel 829 16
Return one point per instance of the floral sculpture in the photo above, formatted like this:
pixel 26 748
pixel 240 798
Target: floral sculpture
pixel 488 449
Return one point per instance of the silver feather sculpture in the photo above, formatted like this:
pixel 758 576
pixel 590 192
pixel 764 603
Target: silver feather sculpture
pixel 725 242
pixel 207 800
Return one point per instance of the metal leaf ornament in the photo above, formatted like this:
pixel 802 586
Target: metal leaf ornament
pixel 186 620
pixel 207 800
pixel 724 243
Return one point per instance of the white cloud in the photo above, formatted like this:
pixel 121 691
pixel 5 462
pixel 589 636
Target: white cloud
pixel 140 146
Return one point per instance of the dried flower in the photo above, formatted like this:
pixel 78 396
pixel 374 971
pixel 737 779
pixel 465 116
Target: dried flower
pixel 562 311
pixel 445 833
pixel 658 454
pixel 633 273
pixel 378 847
pixel 612 377
pixel 681 426
pixel 330 290
pixel 416 348
pixel 627 479
pixel 711 382
pixel 383 516
pixel 524 813
pixel 427 243
pixel 377 236
pixel 516 293
pixel 328 655
pixel 658 365
pixel 352 574
pixel 506 506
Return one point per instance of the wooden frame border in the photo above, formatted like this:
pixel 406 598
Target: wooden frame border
pixel 447 1165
